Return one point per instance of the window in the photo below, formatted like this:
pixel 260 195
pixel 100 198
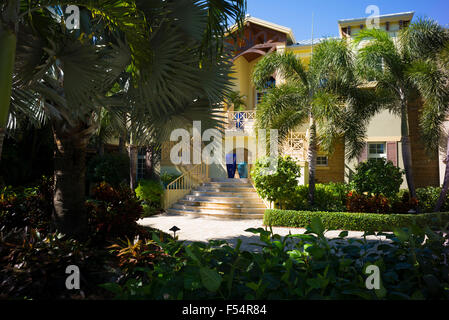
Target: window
pixel 387 26
pixel 322 161
pixel 377 150
pixel 141 163
pixel 260 93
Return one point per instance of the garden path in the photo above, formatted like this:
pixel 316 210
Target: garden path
pixel 202 229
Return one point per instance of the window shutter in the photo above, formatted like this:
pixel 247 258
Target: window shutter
pixel 392 152
pixel 364 155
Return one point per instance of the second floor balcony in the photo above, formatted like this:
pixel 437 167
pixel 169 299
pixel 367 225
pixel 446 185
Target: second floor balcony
pixel 241 122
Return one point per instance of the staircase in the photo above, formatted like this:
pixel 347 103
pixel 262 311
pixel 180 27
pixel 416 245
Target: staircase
pixel 224 198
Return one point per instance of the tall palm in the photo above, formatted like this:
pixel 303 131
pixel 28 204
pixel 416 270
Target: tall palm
pixel 427 43
pixel 396 67
pixel 76 76
pixel 324 95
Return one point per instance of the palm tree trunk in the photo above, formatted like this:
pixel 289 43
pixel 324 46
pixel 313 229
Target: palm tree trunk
pixel 2 138
pixel 70 216
pixel 311 159
pixel 8 43
pixel 406 149
pixel 133 153
pixel 149 163
pixel 445 188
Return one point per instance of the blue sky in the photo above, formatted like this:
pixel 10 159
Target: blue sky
pixel 297 14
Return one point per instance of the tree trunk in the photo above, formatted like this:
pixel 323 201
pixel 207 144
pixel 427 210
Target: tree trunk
pixel 70 170
pixel 101 148
pixel 311 159
pixel 149 163
pixel 8 43
pixel 406 149
pixel 133 153
pixel 121 144
pixel 2 138
pixel 445 188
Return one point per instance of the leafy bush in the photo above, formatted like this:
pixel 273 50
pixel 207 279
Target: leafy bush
pixel 367 203
pixel 378 177
pixel 305 266
pixel 27 207
pixel 428 198
pixel 352 221
pixel 113 213
pixel 167 178
pixel 328 197
pixel 150 192
pixel 33 265
pixel 279 186
pixel 112 168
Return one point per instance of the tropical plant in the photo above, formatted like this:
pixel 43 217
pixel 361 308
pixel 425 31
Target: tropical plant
pixel 237 100
pixel 278 186
pixel 325 95
pixel 405 68
pixel 377 176
pixel 130 56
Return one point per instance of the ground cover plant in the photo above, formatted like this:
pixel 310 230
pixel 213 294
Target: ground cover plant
pixel 304 266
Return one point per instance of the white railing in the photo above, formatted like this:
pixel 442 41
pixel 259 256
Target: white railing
pixel 182 186
pixel 295 146
pixel 241 120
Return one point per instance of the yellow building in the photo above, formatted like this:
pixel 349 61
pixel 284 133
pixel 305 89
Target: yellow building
pixel 259 38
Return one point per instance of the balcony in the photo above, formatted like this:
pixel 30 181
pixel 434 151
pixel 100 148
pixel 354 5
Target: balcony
pixel 242 122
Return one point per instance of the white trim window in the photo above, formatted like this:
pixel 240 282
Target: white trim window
pixel 377 150
pixel 322 161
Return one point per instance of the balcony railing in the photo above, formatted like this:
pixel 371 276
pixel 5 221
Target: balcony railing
pixel 295 146
pixel 241 121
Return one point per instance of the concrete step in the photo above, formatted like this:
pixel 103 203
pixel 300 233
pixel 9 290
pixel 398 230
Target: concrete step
pixel 231 195
pixel 224 189
pixel 218 209
pixel 227 184
pixel 233 181
pixel 220 215
pixel 221 204
pixel 223 199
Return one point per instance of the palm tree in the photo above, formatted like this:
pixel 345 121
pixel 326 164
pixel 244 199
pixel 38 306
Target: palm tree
pixel 169 70
pixel 324 95
pixel 427 44
pixel 397 68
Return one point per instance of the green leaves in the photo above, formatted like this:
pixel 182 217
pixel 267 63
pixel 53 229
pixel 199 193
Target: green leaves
pixel 210 279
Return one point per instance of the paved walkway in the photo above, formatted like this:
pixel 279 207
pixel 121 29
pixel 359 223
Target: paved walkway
pixel 203 229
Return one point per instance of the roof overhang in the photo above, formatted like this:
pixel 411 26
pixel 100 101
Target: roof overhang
pixel 268 25
pixel 383 18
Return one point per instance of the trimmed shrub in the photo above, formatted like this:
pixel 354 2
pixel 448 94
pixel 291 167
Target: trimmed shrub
pixel 352 221
pixel 328 197
pixel 378 177
pixel 150 192
pixel 112 168
pixel 279 186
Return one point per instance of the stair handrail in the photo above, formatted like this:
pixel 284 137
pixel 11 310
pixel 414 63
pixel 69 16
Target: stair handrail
pixel 182 186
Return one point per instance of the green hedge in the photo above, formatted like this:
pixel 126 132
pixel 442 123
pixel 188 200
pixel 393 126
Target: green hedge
pixel 352 221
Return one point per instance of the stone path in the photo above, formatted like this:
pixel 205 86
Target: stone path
pixel 202 229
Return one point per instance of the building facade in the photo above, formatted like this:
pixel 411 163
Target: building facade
pixel 260 38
